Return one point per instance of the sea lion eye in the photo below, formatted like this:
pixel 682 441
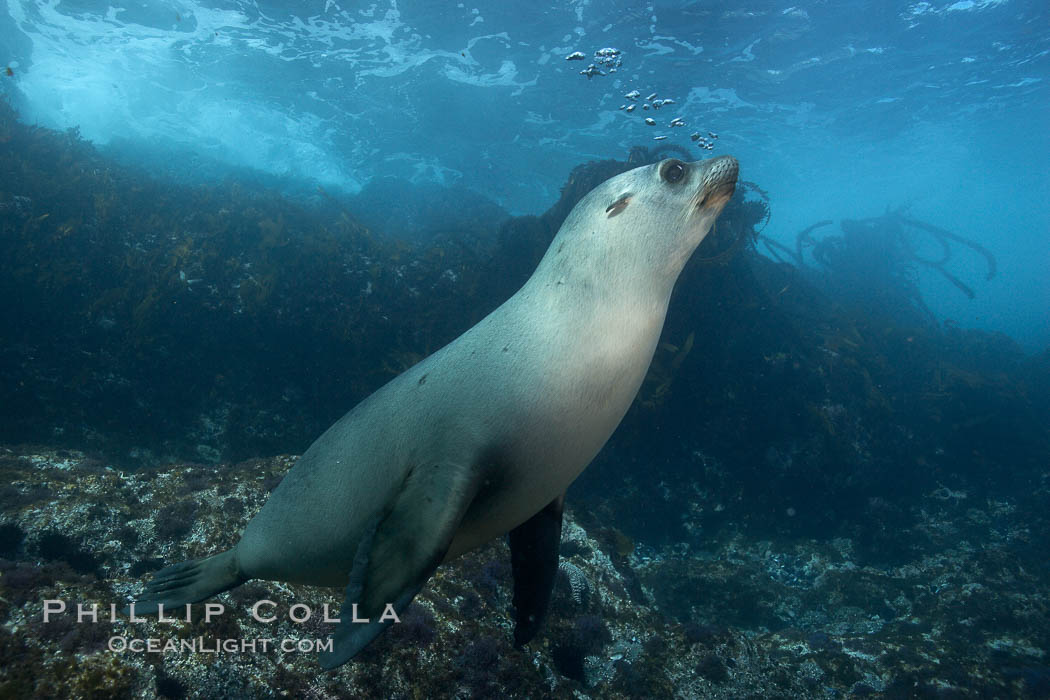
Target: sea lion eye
pixel 673 171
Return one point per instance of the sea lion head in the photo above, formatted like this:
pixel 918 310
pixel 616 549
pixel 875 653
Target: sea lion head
pixel 645 223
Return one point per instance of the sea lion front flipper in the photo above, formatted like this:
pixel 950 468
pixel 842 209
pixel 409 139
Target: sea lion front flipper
pixel 399 553
pixel 534 561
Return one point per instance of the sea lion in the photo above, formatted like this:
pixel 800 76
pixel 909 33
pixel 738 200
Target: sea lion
pixel 483 437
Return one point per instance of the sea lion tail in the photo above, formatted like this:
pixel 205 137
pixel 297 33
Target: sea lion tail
pixel 189 582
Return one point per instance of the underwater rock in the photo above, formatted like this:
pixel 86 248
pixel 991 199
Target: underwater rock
pixel 826 626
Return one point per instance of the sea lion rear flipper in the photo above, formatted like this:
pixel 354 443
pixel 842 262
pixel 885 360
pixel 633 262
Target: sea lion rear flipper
pixel 399 554
pixel 189 582
pixel 534 561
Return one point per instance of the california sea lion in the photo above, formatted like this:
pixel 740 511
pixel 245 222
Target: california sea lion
pixel 483 437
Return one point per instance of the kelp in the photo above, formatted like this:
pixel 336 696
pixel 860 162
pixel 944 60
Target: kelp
pixel 880 258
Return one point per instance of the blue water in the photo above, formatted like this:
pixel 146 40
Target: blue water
pixel 838 110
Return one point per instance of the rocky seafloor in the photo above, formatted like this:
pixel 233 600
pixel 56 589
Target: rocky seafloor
pixel 966 616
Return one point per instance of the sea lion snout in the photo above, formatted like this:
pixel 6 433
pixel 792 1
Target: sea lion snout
pixel 718 180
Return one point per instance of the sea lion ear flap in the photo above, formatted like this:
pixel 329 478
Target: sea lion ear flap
pixel 617 207
pixel 534 561
pixel 399 554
